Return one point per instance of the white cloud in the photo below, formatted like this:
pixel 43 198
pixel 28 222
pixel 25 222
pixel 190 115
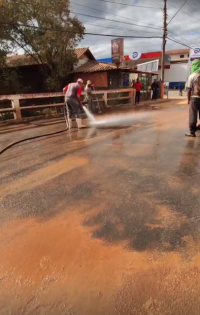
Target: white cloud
pixel 184 27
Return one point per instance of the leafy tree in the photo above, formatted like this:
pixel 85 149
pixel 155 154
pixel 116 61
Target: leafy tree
pixel 45 31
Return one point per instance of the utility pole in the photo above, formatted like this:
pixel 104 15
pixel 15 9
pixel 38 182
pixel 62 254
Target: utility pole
pixel 164 46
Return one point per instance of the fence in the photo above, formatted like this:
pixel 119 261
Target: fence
pixel 17 106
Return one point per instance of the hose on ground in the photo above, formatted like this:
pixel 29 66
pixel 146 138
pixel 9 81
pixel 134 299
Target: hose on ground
pixel 36 137
pixel 31 138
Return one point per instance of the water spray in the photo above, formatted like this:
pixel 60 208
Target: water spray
pixel 89 114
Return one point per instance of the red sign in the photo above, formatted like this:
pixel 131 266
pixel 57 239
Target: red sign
pixel 149 55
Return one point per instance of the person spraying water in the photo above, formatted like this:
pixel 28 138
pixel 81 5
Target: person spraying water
pixel 73 103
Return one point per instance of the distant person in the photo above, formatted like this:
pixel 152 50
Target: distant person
pixel 166 90
pixel 133 84
pixel 138 88
pixel 126 81
pixel 155 89
pixel 193 86
pixel 73 102
pixel 180 87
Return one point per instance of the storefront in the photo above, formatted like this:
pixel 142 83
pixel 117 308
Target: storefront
pixel 109 76
pixel 145 78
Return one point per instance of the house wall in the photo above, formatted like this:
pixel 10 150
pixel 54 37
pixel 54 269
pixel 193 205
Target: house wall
pixel 176 73
pixel 82 60
pixel 99 79
pixel 179 57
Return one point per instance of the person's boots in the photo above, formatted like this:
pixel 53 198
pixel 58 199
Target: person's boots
pixel 191 134
pixel 79 123
pixel 69 123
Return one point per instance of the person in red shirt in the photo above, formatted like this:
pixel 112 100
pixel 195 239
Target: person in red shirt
pixel 73 102
pixel 138 87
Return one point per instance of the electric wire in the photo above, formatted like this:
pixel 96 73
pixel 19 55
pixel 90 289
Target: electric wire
pixel 64 31
pixel 177 12
pixel 130 5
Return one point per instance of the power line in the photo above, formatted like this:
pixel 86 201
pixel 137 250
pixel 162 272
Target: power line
pixel 49 7
pixel 175 41
pixel 126 18
pixel 100 18
pixel 123 17
pixel 116 28
pixel 194 8
pixel 115 21
pixel 180 37
pixel 110 35
pixel 65 31
pixel 177 11
pixel 131 5
pixel 168 4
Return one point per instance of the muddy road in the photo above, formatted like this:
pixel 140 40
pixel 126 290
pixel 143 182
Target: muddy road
pixel 103 221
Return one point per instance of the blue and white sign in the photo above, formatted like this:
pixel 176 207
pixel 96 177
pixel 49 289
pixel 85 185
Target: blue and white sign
pixel 135 55
pixel 195 53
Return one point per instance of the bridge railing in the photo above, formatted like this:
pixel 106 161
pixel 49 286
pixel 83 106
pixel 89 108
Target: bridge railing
pixel 23 106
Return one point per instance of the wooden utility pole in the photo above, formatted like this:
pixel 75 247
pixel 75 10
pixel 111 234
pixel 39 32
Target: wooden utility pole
pixel 164 46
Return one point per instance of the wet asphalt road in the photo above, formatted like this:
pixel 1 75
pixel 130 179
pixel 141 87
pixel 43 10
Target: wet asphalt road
pixel 102 221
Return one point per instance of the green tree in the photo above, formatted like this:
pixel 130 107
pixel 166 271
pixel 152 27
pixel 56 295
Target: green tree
pixel 45 31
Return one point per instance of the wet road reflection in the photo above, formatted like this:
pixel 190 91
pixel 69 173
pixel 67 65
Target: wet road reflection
pixel 102 221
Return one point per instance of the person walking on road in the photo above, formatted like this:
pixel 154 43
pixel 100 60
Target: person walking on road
pixel 138 88
pixel 193 86
pixel 180 87
pixel 73 102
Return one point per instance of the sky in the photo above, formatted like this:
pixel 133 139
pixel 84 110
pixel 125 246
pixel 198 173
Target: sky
pixel 137 18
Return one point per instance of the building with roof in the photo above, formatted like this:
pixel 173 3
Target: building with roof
pixel 177 55
pixel 109 76
pixel 102 74
pixel 30 75
pixel 176 64
pixel 83 55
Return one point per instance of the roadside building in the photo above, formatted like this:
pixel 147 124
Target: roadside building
pixel 178 67
pixel 176 64
pixel 31 79
pixel 108 76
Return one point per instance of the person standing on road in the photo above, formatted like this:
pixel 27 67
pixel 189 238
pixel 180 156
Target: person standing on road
pixel 180 87
pixel 73 102
pixel 194 97
pixel 155 88
pixel 88 95
pixel 138 88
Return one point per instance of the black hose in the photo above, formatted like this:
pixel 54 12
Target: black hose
pixel 36 137
pixel 31 138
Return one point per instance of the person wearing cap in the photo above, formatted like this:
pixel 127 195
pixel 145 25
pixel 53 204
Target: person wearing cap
pixel 88 94
pixel 73 102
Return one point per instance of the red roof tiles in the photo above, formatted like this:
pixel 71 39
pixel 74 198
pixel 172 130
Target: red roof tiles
pixel 26 60
pixel 95 66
